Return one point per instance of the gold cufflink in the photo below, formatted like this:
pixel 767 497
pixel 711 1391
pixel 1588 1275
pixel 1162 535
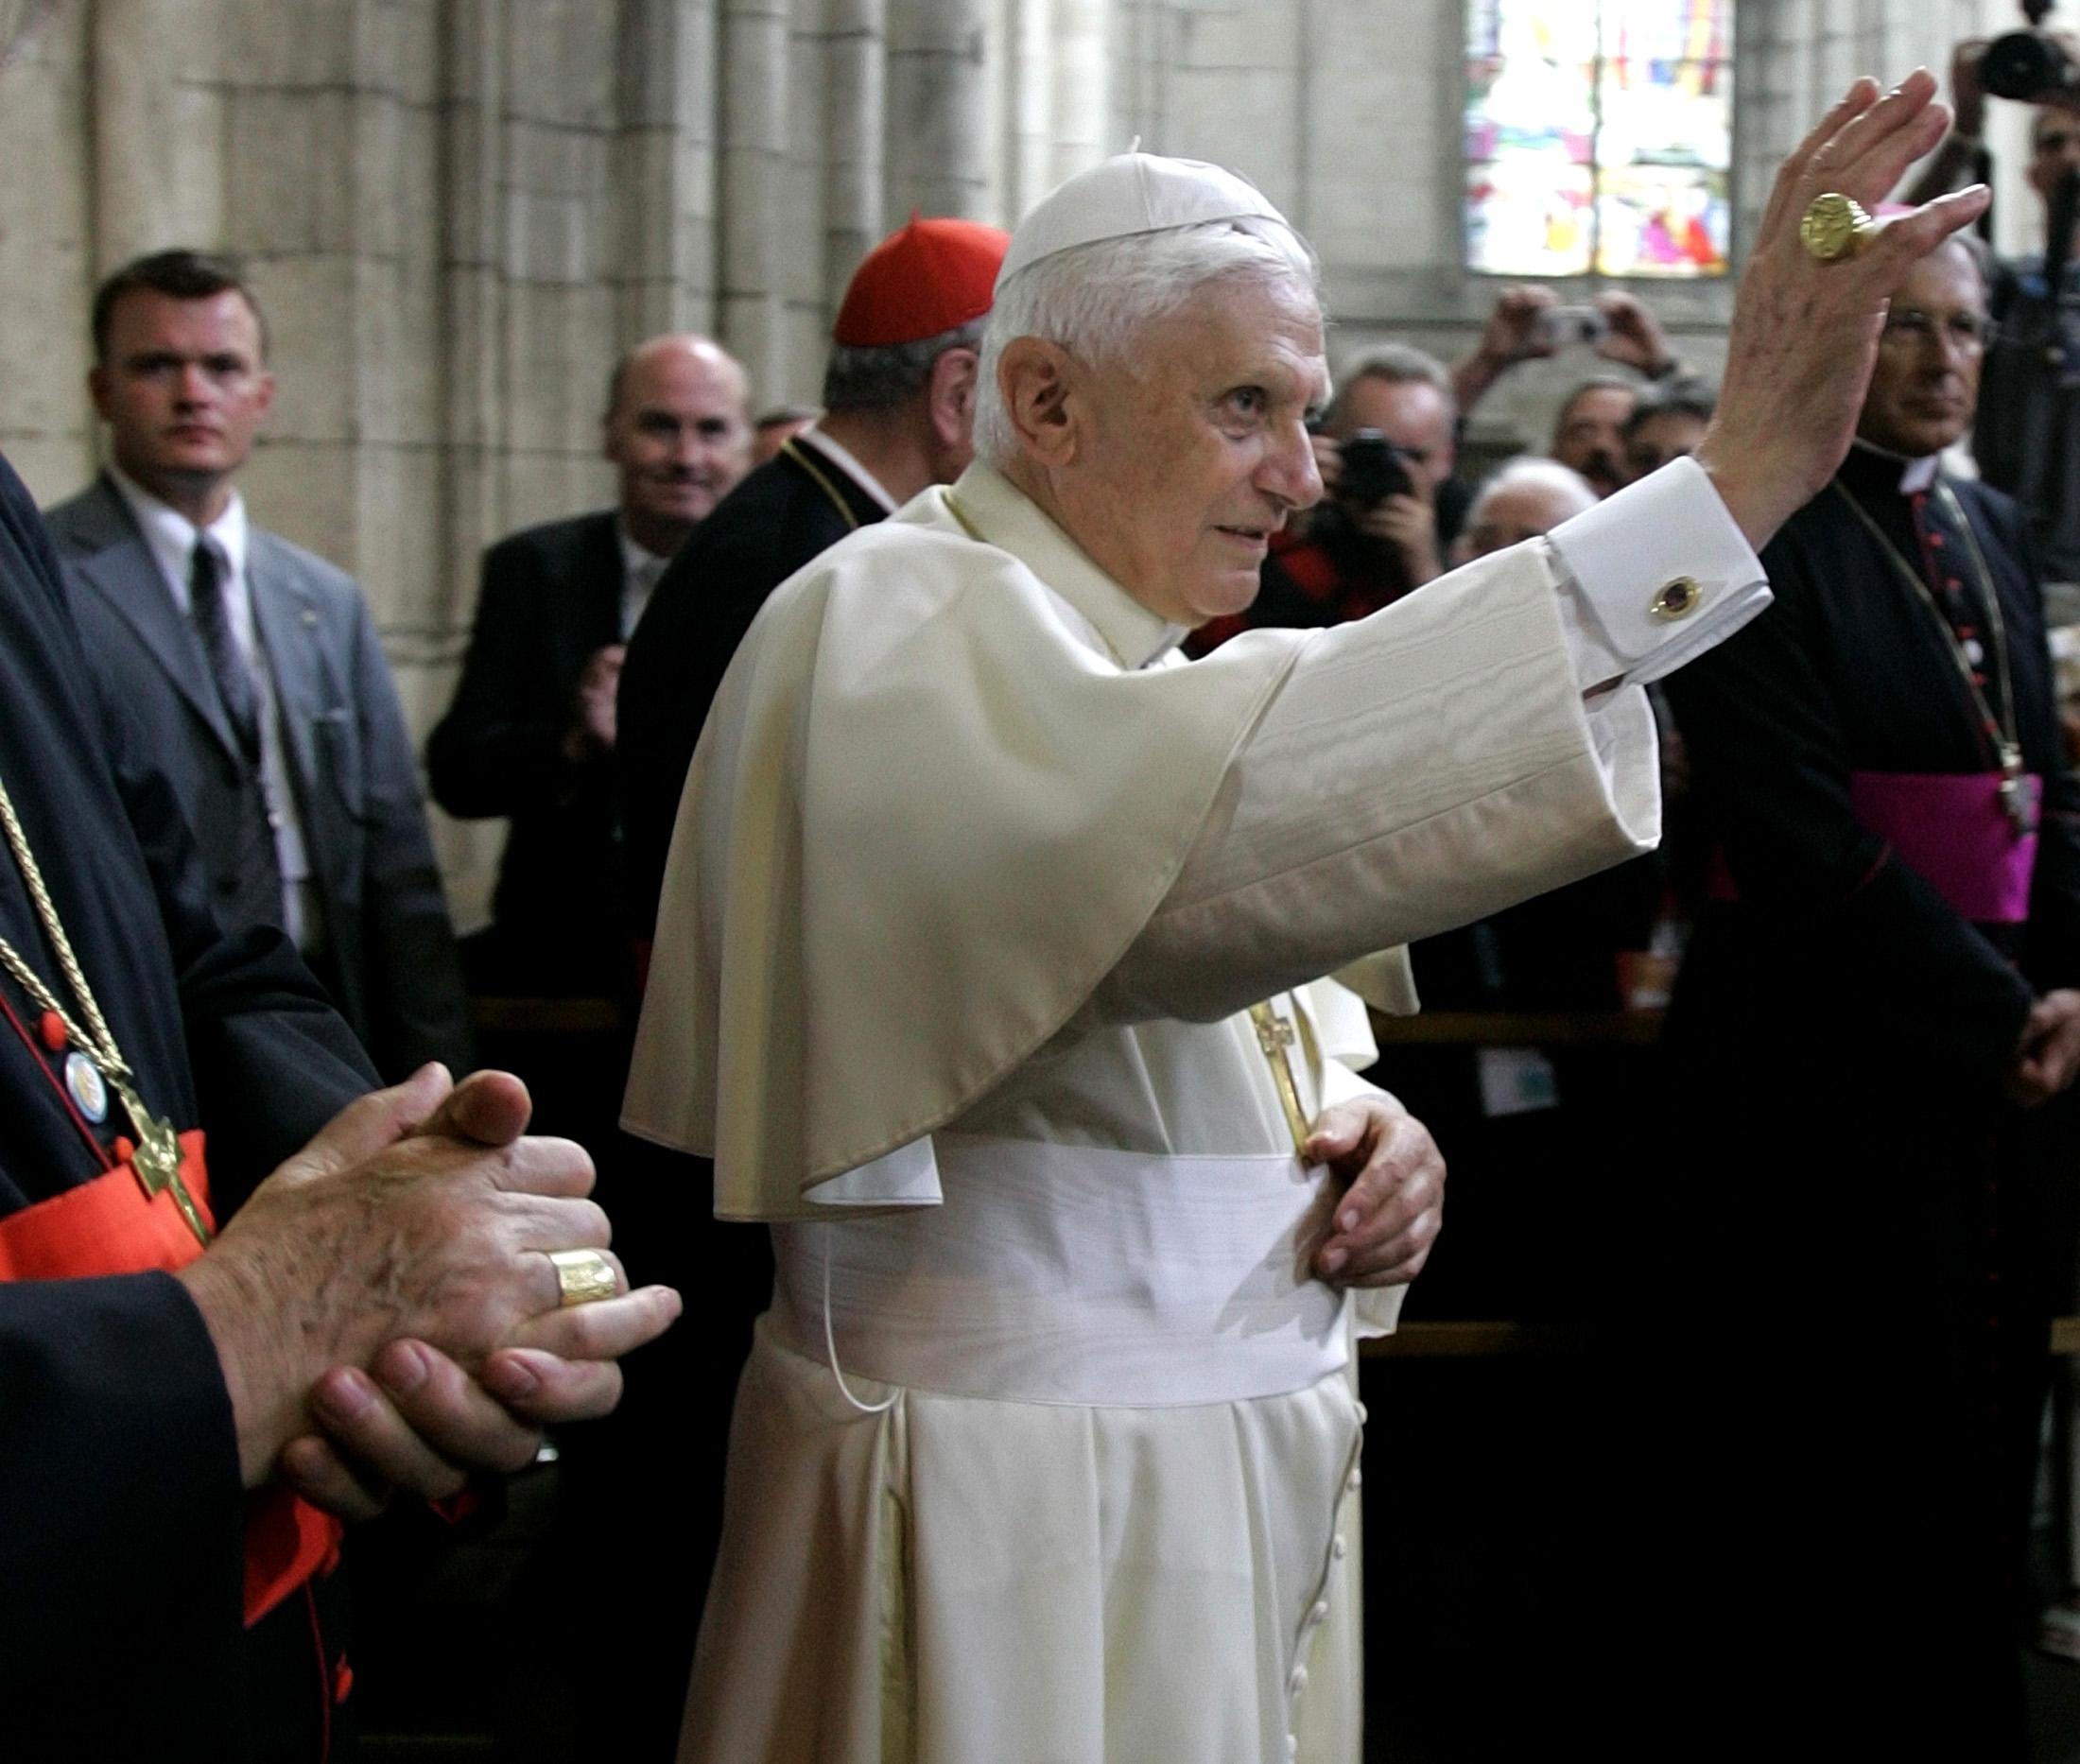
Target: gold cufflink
pixel 1677 600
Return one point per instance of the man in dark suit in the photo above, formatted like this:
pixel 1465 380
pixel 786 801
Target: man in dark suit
pixel 253 666
pixel 530 733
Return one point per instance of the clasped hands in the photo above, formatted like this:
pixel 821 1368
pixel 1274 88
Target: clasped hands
pixel 1389 1195
pixel 384 1309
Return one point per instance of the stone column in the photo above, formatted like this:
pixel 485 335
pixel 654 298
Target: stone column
pixel 664 185
pixel 755 115
pixel 157 127
pixel 1082 122
pixel 49 252
pixel 1029 111
pixel 938 146
pixel 854 220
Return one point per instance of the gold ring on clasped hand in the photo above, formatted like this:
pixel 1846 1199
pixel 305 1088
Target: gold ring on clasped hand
pixel 583 1275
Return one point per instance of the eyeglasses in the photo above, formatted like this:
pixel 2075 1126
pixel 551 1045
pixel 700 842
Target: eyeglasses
pixel 1969 332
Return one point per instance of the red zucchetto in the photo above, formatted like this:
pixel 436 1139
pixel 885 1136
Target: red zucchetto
pixel 928 278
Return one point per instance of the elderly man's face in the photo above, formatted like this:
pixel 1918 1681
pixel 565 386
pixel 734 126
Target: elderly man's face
pixel 1195 453
pixel 1516 513
pixel 1926 383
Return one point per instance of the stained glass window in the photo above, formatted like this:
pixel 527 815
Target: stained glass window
pixel 1598 134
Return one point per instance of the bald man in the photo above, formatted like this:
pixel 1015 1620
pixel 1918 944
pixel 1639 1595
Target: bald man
pixel 530 733
pixel 1525 499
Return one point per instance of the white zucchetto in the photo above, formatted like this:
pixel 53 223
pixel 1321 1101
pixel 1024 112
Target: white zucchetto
pixel 1129 194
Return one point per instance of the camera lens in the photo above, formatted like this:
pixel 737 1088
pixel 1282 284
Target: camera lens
pixel 2024 64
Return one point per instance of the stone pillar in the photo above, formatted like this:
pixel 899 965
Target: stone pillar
pixel 664 184
pixel 854 220
pixel 1029 110
pixel 157 127
pixel 1081 124
pixel 755 113
pixel 938 149
pixel 48 255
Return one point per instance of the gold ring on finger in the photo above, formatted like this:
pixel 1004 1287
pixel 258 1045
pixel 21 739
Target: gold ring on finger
pixel 583 1275
pixel 1835 227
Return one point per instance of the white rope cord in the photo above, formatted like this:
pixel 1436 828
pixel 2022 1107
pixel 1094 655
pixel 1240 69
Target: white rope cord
pixel 831 1349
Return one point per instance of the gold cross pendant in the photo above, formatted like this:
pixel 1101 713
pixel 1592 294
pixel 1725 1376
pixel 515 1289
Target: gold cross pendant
pixel 157 1159
pixel 1277 1036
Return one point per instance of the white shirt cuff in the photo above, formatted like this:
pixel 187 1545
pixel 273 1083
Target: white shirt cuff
pixel 1653 577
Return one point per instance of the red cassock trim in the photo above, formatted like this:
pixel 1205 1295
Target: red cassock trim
pixel 111 1226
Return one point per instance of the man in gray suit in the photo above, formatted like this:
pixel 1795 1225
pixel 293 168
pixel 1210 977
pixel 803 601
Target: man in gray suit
pixel 253 666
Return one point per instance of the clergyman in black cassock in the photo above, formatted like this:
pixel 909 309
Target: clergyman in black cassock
pixel 120 1509
pixel 792 508
pixel 1866 1234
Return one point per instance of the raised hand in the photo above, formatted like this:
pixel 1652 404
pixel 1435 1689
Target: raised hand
pixel 1805 333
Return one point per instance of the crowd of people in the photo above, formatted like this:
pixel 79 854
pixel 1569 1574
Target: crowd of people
pixel 984 990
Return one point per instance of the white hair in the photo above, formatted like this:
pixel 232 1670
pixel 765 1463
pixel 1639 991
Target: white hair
pixel 1533 471
pixel 1094 299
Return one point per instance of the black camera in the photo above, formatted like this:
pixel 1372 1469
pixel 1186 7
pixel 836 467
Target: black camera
pixel 1374 469
pixel 2027 65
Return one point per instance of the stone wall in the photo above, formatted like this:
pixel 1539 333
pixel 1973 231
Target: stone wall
pixel 458 211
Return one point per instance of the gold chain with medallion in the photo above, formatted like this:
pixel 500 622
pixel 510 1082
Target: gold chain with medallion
pixel 157 1160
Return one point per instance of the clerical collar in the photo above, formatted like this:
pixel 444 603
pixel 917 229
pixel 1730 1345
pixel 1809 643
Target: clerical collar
pixel 1874 471
pixel 1005 516
pixel 845 460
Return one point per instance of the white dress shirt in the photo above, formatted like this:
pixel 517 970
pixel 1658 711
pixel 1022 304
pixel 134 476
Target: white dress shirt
pixel 640 571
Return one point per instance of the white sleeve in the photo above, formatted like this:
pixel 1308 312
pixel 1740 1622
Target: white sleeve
pixel 1653 577
pixel 1436 762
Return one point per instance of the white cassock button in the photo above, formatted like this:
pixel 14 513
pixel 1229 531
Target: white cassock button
pixel 1338 1547
pixel 1357 1478
pixel 1298 1682
pixel 1320 1614
pixel 1364 1414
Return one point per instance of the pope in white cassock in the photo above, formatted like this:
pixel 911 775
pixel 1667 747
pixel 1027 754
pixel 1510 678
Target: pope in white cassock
pixel 992 972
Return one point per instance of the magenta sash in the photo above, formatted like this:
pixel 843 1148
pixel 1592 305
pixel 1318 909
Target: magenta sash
pixel 1952 829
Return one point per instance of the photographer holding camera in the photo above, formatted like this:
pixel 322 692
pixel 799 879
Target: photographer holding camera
pixel 1385 448
pixel 1529 324
pixel 1388 444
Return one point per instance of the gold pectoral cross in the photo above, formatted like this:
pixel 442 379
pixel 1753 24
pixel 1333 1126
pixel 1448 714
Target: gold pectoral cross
pixel 157 1159
pixel 1276 1037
